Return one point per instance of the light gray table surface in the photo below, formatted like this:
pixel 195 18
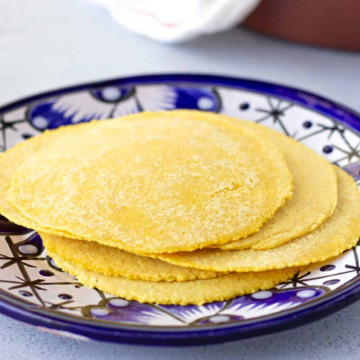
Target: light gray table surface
pixel 45 44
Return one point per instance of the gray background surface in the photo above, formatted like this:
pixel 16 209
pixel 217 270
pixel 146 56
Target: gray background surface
pixel 45 44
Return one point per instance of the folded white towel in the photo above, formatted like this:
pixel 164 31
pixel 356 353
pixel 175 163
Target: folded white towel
pixel 178 20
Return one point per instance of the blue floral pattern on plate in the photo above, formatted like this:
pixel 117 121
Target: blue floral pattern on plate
pixel 30 280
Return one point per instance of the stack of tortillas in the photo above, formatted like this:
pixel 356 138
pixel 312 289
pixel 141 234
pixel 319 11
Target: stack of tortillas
pixel 179 207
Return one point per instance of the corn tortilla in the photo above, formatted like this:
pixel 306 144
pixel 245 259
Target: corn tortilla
pixel 195 292
pixel 153 183
pixel 106 260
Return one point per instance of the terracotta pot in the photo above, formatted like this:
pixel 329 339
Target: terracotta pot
pixel 329 23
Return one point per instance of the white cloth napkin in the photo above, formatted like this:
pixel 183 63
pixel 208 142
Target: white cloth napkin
pixel 178 20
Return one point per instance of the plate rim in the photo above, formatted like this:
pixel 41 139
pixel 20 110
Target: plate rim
pixel 196 336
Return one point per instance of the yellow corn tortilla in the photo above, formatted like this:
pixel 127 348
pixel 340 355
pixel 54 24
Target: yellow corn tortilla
pixel 179 293
pixel 314 198
pixel 153 183
pixel 106 260
pixel 337 234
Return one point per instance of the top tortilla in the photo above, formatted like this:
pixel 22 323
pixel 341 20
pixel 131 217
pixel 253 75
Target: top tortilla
pixel 152 183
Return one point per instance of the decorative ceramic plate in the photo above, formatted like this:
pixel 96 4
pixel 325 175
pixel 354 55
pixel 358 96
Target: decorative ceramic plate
pixel 34 290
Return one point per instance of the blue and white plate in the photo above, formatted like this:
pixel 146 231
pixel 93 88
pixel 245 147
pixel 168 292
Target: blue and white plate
pixel 34 290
